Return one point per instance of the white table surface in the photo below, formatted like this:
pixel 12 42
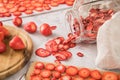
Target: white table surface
pixel 55 18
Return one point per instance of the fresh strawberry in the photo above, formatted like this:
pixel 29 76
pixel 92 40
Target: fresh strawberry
pixel 1 36
pixel 60 68
pixel 36 77
pixel 2 47
pixel 17 21
pixel 109 76
pixel 4 30
pixel 1 24
pixel 56 74
pixel 45 73
pixel 96 74
pixel 71 70
pixel 50 66
pixel 30 27
pixel 39 65
pixel 16 43
pixel 42 52
pixel 51 46
pixel 84 72
pixel 66 77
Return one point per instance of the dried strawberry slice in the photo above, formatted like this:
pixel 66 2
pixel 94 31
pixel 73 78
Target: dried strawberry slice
pixel 60 57
pixel 36 77
pixel 80 54
pixel 60 68
pixel 28 11
pixel 50 66
pixel 36 72
pixel 17 21
pixel 66 77
pixel 71 70
pixel 51 46
pixel 42 52
pixel 56 74
pixel 39 65
pixel 22 9
pixel 3 10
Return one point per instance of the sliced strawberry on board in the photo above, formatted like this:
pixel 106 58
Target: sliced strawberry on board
pixel 39 65
pixel 16 43
pixel 71 70
pixel 50 66
pixel 42 52
pixel 36 77
pixel 36 72
pixel 17 21
pixel 56 74
pixel 60 68
pixel 96 74
pixel 30 27
pixel 84 72
pixel 45 73
pixel 2 47
pixel 109 76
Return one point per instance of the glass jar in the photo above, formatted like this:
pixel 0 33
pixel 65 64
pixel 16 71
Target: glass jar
pixel 86 17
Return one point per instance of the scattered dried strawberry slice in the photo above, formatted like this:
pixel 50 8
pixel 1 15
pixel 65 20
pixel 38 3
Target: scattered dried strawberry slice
pixel 42 52
pixel 60 57
pixel 60 68
pixel 66 77
pixel 2 47
pixel 39 65
pixel 45 73
pixel 84 72
pixel 3 10
pixel 69 3
pixel 109 76
pixel 80 54
pixel 50 66
pixel 16 43
pixel 96 74
pixel 51 46
pixel 17 21
pixel 7 14
pixel 78 78
pixel 28 11
pixel 30 27
pixel 36 72
pixel 22 9
pixel 17 13
pixel 71 70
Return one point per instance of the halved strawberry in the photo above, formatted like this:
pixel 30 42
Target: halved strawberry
pixel 56 74
pixel 45 73
pixel 42 52
pixel 39 65
pixel 1 36
pixel 109 76
pixel 50 66
pixel 96 74
pixel 71 70
pixel 16 43
pixel 2 47
pixel 17 21
pixel 51 46
pixel 30 27
pixel 84 72
pixel 60 68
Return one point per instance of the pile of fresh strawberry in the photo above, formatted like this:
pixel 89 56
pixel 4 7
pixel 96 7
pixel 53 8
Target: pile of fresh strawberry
pixel 50 71
pixel 18 7
pixel 15 43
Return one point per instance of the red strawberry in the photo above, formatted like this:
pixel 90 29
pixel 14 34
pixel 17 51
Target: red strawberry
pixel 84 72
pixel 71 70
pixel 60 68
pixel 42 52
pixel 39 65
pixel 45 73
pixel 2 47
pixel 1 24
pixel 1 36
pixel 56 74
pixel 16 43
pixel 4 30
pixel 50 66
pixel 30 27
pixel 96 74
pixel 17 21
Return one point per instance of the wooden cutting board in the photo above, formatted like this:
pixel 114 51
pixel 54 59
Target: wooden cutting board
pixel 12 61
